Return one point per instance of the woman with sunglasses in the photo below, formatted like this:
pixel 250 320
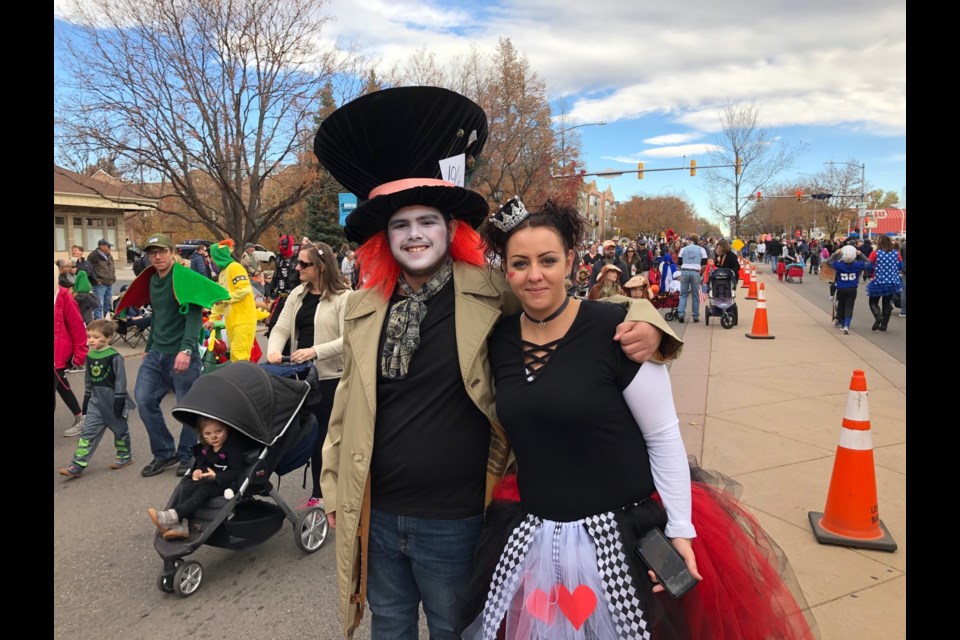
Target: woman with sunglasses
pixel 312 321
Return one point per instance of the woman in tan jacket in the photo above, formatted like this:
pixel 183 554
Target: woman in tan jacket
pixel 312 320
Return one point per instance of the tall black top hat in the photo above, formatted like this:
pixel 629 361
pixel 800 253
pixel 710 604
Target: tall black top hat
pixel 385 147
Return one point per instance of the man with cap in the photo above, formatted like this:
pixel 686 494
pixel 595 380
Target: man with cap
pixel 414 447
pixel 693 261
pixel 171 361
pixel 249 261
pixel 609 257
pixel 104 275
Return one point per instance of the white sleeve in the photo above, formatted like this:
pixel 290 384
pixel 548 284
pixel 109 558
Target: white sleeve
pixel 650 398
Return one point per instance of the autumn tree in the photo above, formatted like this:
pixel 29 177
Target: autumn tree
pixel 649 216
pixel 209 99
pixel 760 155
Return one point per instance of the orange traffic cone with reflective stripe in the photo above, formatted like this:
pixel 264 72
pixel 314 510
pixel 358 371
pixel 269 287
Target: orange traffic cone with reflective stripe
pixel 851 517
pixel 746 276
pixel 752 293
pixel 759 329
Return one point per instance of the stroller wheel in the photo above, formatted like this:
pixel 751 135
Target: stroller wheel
pixel 187 579
pixel 670 316
pixel 706 316
pixel 311 530
pixel 165 583
pixel 726 320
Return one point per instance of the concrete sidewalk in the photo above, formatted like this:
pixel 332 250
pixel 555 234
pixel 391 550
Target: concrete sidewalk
pixel 768 413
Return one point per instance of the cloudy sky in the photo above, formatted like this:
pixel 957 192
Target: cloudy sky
pixel 830 75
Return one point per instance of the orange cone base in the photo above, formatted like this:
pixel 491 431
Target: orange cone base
pixel 759 337
pixel 751 297
pixel 884 543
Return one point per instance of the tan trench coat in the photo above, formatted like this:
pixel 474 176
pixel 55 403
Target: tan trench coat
pixel 481 298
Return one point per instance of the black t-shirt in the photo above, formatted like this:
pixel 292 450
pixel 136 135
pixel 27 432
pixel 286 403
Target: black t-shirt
pixel 431 441
pixel 579 450
pixel 304 320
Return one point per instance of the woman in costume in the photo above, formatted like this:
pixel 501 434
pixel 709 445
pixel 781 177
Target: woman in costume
pixel 558 560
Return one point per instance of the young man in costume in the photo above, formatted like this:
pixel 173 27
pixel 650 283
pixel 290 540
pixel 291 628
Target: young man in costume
pixel 178 296
pixel 285 279
pixel 414 447
pixel 239 311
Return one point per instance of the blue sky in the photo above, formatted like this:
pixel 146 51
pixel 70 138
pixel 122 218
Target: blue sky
pixel 828 74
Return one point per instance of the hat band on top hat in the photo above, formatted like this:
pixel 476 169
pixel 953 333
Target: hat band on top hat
pixel 407 183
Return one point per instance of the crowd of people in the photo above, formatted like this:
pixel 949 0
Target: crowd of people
pixel 461 474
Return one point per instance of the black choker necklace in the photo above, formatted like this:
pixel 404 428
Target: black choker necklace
pixel 540 323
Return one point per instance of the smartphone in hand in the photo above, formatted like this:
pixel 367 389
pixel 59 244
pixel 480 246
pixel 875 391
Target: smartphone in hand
pixel 665 561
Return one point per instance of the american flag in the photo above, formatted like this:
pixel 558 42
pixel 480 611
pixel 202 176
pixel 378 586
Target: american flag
pixel 703 296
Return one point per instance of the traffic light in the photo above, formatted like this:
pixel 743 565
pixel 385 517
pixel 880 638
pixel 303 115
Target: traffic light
pixel 799 196
pixel 759 195
pixel 739 168
pixel 693 168
pixel 821 196
pixel 639 171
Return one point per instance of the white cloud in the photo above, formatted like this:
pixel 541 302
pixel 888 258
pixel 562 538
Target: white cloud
pixel 672 138
pixel 679 151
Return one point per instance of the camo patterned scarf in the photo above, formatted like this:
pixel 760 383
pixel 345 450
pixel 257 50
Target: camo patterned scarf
pixel 403 325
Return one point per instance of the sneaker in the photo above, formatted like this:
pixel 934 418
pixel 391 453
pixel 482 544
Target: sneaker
pixel 157 466
pixel 903 314
pixel 846 330
pixel 75 429
pixel 696 319
pixel 876 324
pixel 310 503
pixel 120 463
pixel 178 531
pixel 836 324
pixel 73 471
pixel 163 519
pixel 680 319
pixel 184 468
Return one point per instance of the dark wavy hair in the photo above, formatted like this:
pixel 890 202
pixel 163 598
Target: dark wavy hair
pixel 564 219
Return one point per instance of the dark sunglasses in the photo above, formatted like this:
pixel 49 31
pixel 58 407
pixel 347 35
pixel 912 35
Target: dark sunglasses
pixel 304 265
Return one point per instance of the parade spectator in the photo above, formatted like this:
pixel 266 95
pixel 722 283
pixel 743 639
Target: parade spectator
pixel 903 280
pixel 80 263
pixel 105 274
pixel 414 427
pixel 579 287
pixel 727 259
pixel 815 257
pixel 200 261
pixel 311 327
pixel 66 270
pixel 171 362
pixel 69 348
pixel 249 261
pixel 219 462
pixel 608 283
pixel 848 269
pixel 638 287
pixel 762 251
pixel 285 279
pixel 752 248
pixel 85 300
pixel 609 257
pixel 885 283
pixel 692 260
pixel 106 404
pixel 346 265
pixel 632 261
pixel 566 531
pixel 774 251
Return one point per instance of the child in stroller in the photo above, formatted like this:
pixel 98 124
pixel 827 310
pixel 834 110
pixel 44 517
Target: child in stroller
pixel 266 421
pixel 721 299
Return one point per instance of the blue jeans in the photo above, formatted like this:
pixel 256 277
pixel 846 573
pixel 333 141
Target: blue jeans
pixel 155 379
pixel 689 287
pixel 104 296
pixel 774 260
pixel 414 560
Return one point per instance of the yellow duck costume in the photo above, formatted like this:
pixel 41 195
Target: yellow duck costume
pixel 239 311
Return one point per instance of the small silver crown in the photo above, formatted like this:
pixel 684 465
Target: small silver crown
pixel 510 215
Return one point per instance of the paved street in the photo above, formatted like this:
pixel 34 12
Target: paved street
pixel 766 412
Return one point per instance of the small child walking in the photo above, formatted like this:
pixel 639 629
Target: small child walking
pixel 848 269
pixel 219 462
pixel 106 404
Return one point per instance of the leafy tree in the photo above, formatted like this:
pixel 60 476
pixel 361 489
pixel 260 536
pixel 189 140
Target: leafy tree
pixel 207 102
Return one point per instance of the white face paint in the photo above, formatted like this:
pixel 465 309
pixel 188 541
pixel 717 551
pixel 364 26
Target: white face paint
pixel 419 241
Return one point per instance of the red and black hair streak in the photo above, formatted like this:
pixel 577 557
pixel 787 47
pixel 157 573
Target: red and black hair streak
pixel 379 269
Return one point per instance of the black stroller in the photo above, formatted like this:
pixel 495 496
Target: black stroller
pixel 268 411
pixel 721 299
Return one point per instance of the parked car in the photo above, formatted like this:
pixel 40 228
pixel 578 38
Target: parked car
pixel 187 247
pixel 264 255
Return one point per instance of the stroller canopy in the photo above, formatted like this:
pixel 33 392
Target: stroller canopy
pixel 245 397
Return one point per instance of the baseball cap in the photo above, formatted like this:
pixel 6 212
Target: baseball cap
pixel 609 243
pixel 104 241
pixel 249 245
pixel 160 240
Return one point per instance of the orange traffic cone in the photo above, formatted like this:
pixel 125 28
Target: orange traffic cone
pixel 759 329
pixel 851 517
pixel 745 276
pixel 752 293
pixel 740 275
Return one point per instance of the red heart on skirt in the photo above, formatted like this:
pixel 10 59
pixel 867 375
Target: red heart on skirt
pixel 577 606
pixel 540 605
